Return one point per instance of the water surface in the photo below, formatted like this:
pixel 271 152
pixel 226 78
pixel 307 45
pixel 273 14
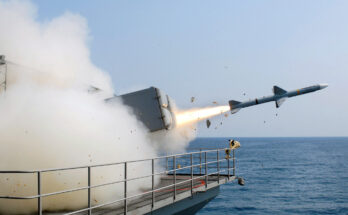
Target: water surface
pixel 284 176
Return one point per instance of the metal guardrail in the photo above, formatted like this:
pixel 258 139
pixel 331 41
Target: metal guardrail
pixel 172 169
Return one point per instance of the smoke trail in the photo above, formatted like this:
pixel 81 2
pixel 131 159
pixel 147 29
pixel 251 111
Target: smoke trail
pixel 48 120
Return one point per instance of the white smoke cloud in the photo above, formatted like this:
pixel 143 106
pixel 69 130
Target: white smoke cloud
pixel 48 120
pixel 55 128
pixel 54 53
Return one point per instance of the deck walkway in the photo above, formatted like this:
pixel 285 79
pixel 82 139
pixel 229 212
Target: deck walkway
pixel 165 197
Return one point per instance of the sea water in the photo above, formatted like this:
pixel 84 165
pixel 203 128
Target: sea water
pixel 284 176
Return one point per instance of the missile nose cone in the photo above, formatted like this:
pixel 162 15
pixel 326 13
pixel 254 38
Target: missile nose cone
pixel 322 86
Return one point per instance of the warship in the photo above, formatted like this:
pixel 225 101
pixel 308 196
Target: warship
pixel 184 183
pixel 180 183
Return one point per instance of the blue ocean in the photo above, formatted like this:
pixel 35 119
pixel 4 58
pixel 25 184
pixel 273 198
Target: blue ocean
pixel 284 176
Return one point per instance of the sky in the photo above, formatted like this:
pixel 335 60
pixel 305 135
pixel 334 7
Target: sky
pixel 221 50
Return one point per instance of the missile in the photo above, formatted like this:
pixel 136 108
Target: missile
pixel 279 96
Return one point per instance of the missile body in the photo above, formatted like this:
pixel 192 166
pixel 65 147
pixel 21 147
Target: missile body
pixel 279 97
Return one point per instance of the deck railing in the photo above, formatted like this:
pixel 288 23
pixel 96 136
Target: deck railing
pixel 197 165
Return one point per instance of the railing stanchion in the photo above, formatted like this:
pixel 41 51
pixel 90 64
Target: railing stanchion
pixel 228 165
pixel 234 163
pixel 206 169
pixel 191 174
pixel 153 183
pixel 174 172
pixel 200 161
pixel 218 165
pixel 167 162
pixel 125 188
pixel 39 200
pixel 89 190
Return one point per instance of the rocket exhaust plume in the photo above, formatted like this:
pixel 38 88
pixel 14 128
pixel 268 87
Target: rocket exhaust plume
pixel 197 114
pixel 49 120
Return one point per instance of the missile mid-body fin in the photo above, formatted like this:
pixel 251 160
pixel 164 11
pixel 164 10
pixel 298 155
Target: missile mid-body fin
pixel 279 92
pixel 280 102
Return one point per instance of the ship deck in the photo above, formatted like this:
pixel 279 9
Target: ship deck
pixel 190 180
pixel 165 197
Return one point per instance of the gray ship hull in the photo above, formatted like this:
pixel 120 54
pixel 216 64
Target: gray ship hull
pixel 190 205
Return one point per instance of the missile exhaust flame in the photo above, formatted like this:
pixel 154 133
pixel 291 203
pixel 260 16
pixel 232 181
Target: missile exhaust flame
pixel 197 114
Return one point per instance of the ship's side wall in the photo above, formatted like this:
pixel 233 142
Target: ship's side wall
pixel 189 205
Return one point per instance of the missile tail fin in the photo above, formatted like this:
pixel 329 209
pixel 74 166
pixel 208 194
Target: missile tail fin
pixel 280 102
pixel 278 91
pixel 233 103
pixel 233 111
pixel 234 106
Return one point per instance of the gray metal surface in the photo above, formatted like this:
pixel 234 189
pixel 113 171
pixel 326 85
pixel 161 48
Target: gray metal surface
pixel 151 106
pixel 279 97
pixel 189 205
